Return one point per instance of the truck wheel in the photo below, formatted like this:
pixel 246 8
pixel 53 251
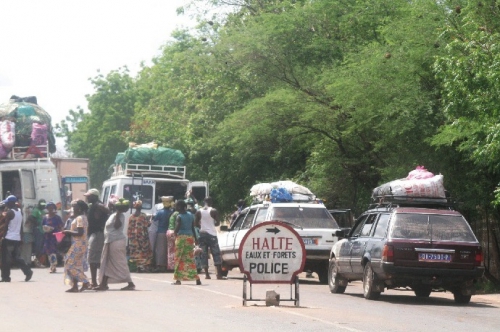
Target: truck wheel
pixel 460 298
pixel 334 278
pixel 369 280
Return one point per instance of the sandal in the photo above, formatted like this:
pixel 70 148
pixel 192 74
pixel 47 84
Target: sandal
pixel 198 281
pixel 72 290
pixel 129 287
pixel 208 277
pixel 85 287
pixel 101 288
pixel 178 282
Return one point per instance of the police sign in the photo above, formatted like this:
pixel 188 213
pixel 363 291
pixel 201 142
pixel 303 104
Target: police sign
pixel 272 252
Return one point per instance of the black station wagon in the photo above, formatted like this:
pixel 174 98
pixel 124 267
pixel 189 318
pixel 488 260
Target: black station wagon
pixel 423 247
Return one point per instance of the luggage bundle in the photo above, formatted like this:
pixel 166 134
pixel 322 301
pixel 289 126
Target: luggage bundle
pixel 419 183
pixel 281 191
pixel 24 123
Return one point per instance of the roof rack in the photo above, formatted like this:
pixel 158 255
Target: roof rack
pixel 390 201
pixel 170 171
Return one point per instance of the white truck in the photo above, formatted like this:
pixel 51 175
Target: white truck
pixel 30 179
pixel 149 183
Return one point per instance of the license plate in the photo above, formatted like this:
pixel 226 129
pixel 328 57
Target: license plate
pixel 308 240
pixel 427 257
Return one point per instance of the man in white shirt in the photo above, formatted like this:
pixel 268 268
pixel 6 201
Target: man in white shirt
pixel 11 244
pixel 207 218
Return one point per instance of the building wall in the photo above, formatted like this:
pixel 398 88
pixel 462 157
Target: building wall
pixel 73 167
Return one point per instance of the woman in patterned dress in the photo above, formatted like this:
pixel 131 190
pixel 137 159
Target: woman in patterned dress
pixel 74 260
pixel 185 239
pixel 51 224
pixel 138 239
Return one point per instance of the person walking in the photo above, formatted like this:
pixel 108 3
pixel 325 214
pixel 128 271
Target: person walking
pixel 74 260
pixel 207 218
pixel 51 223
pixel 114 266
pixel 97 216
pixel 138 239
pixel 11 244
pixel 171 241
pixel 3 226
pixel 36 218
pixel 162 218
pixel 185 240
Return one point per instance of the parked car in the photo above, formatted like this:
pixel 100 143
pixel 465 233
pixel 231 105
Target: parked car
pixel 425 247
pixel 312 221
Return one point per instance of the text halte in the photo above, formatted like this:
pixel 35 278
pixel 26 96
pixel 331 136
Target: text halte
pixel 274 243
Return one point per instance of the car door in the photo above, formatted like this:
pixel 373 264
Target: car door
pixel 245 226
pixel 227 239
pixel 377 240
pixel 360 242
pixel 344 256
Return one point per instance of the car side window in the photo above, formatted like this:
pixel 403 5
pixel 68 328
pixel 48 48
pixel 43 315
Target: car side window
pixel 359 225
pixel 239 220
pixel 247 223
pixel 261 216
pixel 367 227
pixel 381 227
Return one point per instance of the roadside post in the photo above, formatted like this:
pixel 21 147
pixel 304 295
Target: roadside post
pixel 272 253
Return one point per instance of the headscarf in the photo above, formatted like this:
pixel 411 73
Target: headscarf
pixel 137 204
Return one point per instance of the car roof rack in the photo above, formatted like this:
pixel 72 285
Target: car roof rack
pixel 392 201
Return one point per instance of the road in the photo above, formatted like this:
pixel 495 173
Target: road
pixel 43 305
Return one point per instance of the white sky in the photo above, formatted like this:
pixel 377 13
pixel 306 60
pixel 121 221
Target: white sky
pixel 49 48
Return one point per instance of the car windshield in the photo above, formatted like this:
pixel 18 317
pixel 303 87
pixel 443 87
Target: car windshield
pixel 431 227
pixel 304 217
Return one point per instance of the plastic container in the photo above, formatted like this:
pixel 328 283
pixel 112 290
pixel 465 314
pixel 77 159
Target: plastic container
pixel 59 236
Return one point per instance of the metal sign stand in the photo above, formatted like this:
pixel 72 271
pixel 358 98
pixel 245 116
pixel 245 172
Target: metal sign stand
pixel 295 300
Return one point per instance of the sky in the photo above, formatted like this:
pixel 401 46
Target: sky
pixel 50 48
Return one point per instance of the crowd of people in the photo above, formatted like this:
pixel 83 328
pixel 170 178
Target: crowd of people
pixel 179 238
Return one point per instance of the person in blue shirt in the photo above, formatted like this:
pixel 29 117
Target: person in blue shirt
pixel 162 218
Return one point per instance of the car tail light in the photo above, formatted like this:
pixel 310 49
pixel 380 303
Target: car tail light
pixel 479 257
pixel 388 254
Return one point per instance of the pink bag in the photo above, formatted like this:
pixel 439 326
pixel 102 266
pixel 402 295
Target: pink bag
pixel 39 134
pixel 419 173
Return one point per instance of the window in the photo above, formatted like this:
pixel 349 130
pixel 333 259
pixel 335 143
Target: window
pixel 239 220
pixel 305 217
pixel 359 225
pixel 381 228
pixel 138 192
pixel 106 196
pixel 365 231
pixel 247 223
pixel 261 215
pixel 28 183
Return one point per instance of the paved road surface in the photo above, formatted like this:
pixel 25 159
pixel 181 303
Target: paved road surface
pixel 156 305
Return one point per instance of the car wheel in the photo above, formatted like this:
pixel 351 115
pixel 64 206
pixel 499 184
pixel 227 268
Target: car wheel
pixel 369 280
pixel 334 278
pixel 422 291
pixel 460 298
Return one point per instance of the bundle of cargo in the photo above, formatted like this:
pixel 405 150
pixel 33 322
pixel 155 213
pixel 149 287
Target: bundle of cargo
pixel 281 191
pixel 24 123
pixel 420 183
pixel 148 154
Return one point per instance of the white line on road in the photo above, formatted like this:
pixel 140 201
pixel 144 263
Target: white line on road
pixel 289 311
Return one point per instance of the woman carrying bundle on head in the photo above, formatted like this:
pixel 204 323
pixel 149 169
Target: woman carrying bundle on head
pixel 114 266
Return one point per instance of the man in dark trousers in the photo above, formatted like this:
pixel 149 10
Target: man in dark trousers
pixel 207 218
pixel 97 216
pixel 11 244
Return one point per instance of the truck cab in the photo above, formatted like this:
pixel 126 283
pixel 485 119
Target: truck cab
pixel 149 183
